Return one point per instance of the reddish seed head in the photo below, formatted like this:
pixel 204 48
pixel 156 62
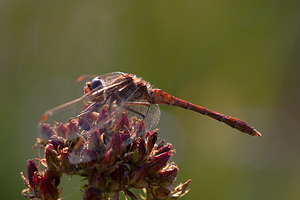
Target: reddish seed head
pixel 61 130
pixel 47 132
pixel 168 174
pixel 117 178
pixel 95 142
pixel 151 142
pixel 108 159
pixel 53 175
pixel 64 159
pixel 36 179
pixel 116 144
pixel 51 157
pixel 123 123
pixel 47 190
pixel 103 116
pixel 139 151
pixel 137 177
pixel 163 149
pixel 141 148
pixel 31 169
pixel 72 130
pixel 139 130
pixel 58 145
pixel 163 191
pixel 158 162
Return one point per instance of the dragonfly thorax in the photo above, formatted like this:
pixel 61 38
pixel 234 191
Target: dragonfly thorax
pixel 132 89
pixel 126 88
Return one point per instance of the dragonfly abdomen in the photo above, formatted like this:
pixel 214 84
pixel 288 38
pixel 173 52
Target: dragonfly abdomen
pixel 161 97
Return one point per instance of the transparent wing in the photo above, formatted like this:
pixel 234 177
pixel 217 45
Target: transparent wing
pixel 88 128
pixel 64 113
pixel 129 120
pixel 143 111
pixel 81 125
pixel 65 117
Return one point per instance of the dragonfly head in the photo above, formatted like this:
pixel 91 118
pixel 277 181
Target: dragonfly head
pixel 96 84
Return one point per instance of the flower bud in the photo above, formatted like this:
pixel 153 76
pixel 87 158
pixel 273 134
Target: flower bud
pixel 134 156
pixel 65 163
pixel 164 191
pixel 185 185
pixel 61 130
pixel 47 132
pixel 139 151
pixel 181 189
pixel 139 130
pixel 31 169
pixel 56 144
pixel 36 180
pixel 169 174
pixel 103 116
pixel 158 162
pixel 116 144
pixel 137 177
pixel 151 142
pixel 122 123
pixel 53 175
pixel 72 130
pixel 125 137
pixel 90 118
pixel 51 157
pixel 108 159
pixel 47 190
pixel 160 144
pixel 95 141
pixel 141 148
pixel 117 179
pixel 163 149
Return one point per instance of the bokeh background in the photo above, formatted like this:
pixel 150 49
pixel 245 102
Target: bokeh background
pixel 236 57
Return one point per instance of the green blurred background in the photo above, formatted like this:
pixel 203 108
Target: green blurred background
pixel 236 57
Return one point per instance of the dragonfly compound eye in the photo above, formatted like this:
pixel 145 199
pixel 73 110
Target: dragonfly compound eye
pixel 96 83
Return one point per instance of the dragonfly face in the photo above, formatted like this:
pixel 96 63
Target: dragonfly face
pixel 96 84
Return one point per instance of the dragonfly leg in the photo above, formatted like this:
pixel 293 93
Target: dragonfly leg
pixel 94 106
pixel 128 103
pixel 137 112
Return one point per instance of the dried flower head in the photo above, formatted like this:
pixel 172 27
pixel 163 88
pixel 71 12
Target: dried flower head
pixel 114 155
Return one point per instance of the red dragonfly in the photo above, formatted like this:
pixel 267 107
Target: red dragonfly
pixel 117 93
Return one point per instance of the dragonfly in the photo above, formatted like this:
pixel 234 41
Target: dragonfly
pixel 106 98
